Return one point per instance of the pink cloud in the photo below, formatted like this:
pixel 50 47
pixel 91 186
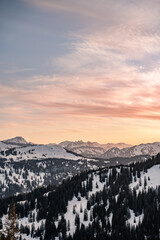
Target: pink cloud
pixel 115 99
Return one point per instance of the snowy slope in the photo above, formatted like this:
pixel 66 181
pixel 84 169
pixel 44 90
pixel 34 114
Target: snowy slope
pixel 97 201
pixel 151 179
pixel 80 205
pixel 3 146
pixel 24 176
pixel 38 152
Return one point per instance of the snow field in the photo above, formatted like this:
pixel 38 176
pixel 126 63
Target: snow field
pixel 151 178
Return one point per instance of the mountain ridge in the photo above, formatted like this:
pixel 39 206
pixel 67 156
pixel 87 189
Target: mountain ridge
pixel 141 149
pixel 84 149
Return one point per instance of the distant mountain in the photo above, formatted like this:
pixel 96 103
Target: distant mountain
pixel 19 140
pixel 111 150
pixel 90 149
pixel 19 149
pixel 118 145
pixel 142 149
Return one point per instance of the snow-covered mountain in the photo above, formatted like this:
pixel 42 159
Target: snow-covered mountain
pixel 15 140
pixel 19 149
pixel 37 152
pixel 110 150
pixel 142 149
pixel 90 149
pixel 25 166
pixel 70 145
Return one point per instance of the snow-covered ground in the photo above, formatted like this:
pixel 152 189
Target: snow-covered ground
pixel 38 152
pixel 134 220
pixel 27 221
pixel 18 177
pixel 3 146
pixel 147 180
pixel 80 204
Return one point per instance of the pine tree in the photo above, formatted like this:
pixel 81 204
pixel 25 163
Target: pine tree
pixel 10 228
pixel 85 215
pixel 81 210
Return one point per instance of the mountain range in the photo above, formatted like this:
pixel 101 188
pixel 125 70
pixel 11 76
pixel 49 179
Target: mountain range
pixel 25 166
pixel 19 149
pixel 70 191
pixel 91 149
pixel 110 150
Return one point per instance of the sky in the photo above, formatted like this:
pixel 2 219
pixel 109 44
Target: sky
pixel 72 70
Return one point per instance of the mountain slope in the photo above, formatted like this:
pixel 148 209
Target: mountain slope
pixel 26 175
pixel 112 203
pixel 24 167
pixel 36 152
pixel 3 146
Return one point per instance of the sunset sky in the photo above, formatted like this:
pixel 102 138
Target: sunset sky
pixel 87 69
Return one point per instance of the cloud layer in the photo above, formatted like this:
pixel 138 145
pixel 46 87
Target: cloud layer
pixel 107 80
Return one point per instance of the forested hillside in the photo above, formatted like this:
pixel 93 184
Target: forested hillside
pixel 111 203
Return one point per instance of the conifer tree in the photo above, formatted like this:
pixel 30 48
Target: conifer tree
pixel 85 215
pixel 10 229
